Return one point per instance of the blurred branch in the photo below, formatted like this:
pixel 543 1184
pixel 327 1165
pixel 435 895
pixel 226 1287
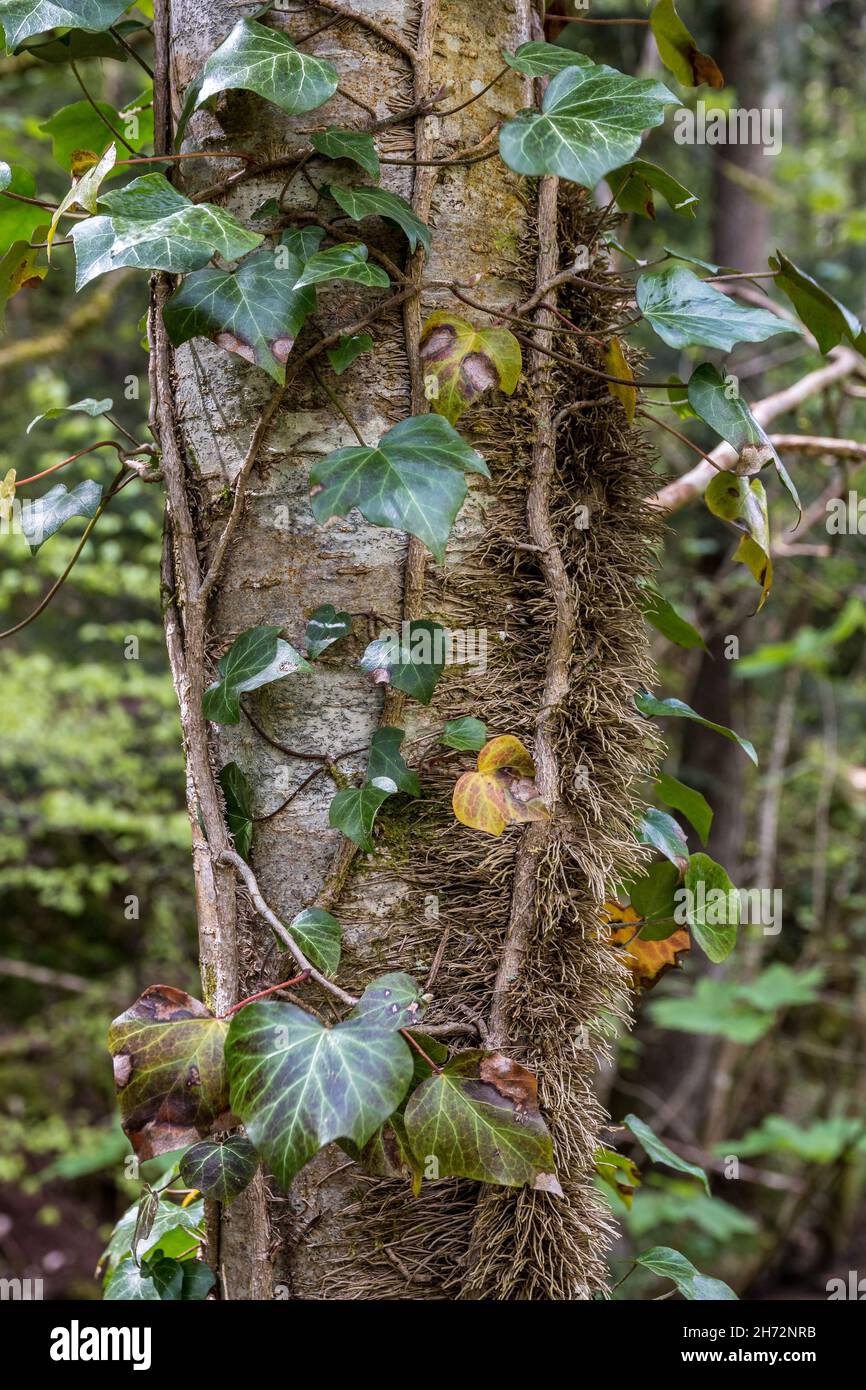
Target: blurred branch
pixel 61 340
pixel 41 975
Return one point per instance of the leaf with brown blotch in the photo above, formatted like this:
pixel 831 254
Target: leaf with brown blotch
pixel 620 1173
pixel 647 960
pixel 678 50
pixel 169 1070
pixel 461 362
pixel 618 366
pixel 502 791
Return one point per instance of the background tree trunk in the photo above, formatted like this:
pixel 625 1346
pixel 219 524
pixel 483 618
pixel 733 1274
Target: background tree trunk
pixel 565 649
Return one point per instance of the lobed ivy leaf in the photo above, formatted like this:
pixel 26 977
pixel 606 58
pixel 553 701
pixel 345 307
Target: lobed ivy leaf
pixel 413 480
pixel 465 733
pixel 687 312
pixel 88 406
pixel 220 1171
pixel 297 1085
pixel 354 811
pixel 634 184
pixel 662 615
pixel 18 221
pixel 359 203
pixel 171 1229
pixel 660 830
pixel 591 121
pixel 693 804
pixel 347 349
pixel 325 627
pixel 256 658
pixel 256 59
pixel 356 145
pixel 168 1070
pixel 660 1153
pixel 544 59
pixel 712 907
pixel 393 1001
pixel 347 261
pixel 411 660
pixel 256 311
pixel 824 316
pixel 130 1283
pixel 150 226
pixel 45 515
pixel 650 707
pixel 21 18
pixel 721 407
pixel 386 765
pixel 670 1264
pixel 319 936
pixel 478 1118
pixel 461 362
pixel 678 50
pixel 238 792
pixel 743 502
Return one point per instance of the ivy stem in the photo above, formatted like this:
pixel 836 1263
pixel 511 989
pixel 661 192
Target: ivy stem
pixel 41 203
pixel 452 110
pixel 684 439
pixel 101 114
pixel 262 993
pixel 115 33
pixel 631 1269
pixel 102 444
pixel 188 154
pixel 338 405
pixel 413 1042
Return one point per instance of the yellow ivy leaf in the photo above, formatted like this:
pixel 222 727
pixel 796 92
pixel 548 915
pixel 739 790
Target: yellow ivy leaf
pixel 502 791
pixel 617 366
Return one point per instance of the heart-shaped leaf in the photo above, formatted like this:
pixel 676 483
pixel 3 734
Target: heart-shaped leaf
pixel 678 50
pixel 335 143
pixel 412 660
pixel 220 1171
pixel 43 516
pixel 88 406
pixel 319 936
pixel 359 203
pixel 168 1069
pixel 665 619
pixel 478 1118
pixel 635 183
pixel 544 59
pixel 386 764
pixel 465 733
pixel 686 312
pixel 743 502
pixel 825 317
pixel 660 830
pixel 651 894
pixel 461 362
pixel 501 791
pixel 150 226
pixel 347 349
pixel 693 804
pixel 392 1001
pixel 347 261
pixel 256 311
pixel 720 405
pixel 591 121
pixel 325 627
pixel 650 707
pixel 238 794
pixel 670 1264
pixel 21 18
pixel 660 1153
pixel 354 811
pixel 256 658
pixel 413 480
pixel 712 907
pixel 298 1085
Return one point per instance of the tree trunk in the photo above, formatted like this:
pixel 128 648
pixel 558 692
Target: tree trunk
pixel 504 931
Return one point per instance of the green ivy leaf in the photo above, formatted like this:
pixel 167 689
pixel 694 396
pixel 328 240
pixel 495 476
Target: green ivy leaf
pixel 18 221
pixel 650 707
pixel 678 50
pixel 238 793
pixel 297 1085
pixel 348 261
pixel 411 660
pixel 150 226
pixel 693 1285
pixel 413 480
pixel 319 936
pixel 220 1171
pixel 176 1280
pixel 743 502
pixel 76 44
pixel 479 1118
pixel 705 881
pixel 825 317
pixel 591 121
pixel 386 768
pixel 256 311
pixel 359 203
pixel 665 619
pixel 354 811
pixel 335 143
pixel 660 830
pixel 45 515
pixel 21 18
pixel 18 271
pixel 635 183
pixel 693 805
pixel 77 132
pixel 544 59
pixel 256 658
pixel 461 362
pixel 168 1069
pixel 652 897
pixel 465 733
pixel 393 1001
pixel 347 349
pixel 171 1228
pixel 88 406
pixel 687 312
pixel 720 406
pixel 325 627
pixel 130 1283
pixel 660 1153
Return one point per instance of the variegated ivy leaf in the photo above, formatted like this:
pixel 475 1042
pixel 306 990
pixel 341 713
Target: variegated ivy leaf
pixel 261 60
pixel 678 50
pixel 168 1070
pixel 132 1284
pixel 220 1171
pixel 412 660
pixel 356 145
pixel 670 1264
pixel 173 1228
pixel 544 59
pixel 461 362
pixel 238 793
pixel 256 658
pixel 592 120
pixel 21 18
pixel 256 311
pixel 393 1001
pixel 359 203
pixel 743 502
pixel 150 226
pixel 42 516
pixel 348 261
pixel 478 1118
pixel 413 480
pixel 687 312
pixel 297 1085
pixel 718 402
pixel 325 627
pixel 319 936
